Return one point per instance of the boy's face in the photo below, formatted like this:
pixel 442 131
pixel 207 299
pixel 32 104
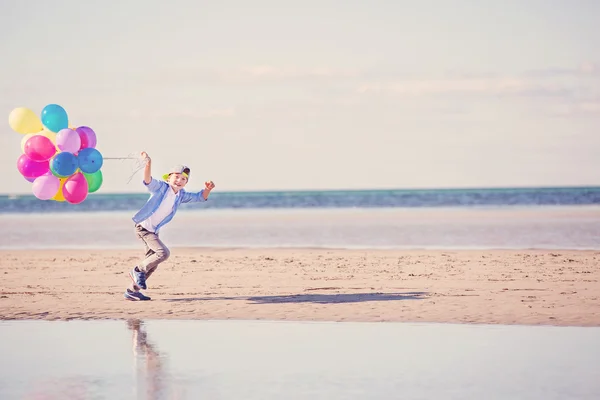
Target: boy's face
pixel 177 181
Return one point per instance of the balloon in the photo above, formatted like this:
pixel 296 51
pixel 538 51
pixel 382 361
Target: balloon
pixel 90 160
pixel 59 158
pixel 39 148
pixel 30 168
pixel 94 180
pixel 75 188
pixel 45 187
pixel 25 139
pixel 23 120
pixel 45 132
pixel 50 135
pixel 59 194
pixel 87 136
pixel 68 140
pixel 63 164
pixel 55 118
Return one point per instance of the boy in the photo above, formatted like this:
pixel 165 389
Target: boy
pixel 165 198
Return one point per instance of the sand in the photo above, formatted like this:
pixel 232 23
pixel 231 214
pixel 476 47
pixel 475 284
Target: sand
pixel 492 287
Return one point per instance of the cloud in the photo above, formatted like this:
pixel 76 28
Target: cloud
pixel 186 113
pixel 564 82
pixel 584 70
pixel 218 113
pixel 184 75
pixel 592 107
pixel 469 85
pixel 259 73
pixel 580 108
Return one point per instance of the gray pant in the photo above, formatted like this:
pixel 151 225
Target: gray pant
pixel 156 251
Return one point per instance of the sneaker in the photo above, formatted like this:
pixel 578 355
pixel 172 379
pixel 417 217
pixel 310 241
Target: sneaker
pixel 138 278
pixel 129 295
pixel 135 296
pixel 140 296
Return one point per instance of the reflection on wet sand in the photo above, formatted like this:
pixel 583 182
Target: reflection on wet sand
pixel 52 390
pixel 149 371
pixel 264 360
pixel 149 364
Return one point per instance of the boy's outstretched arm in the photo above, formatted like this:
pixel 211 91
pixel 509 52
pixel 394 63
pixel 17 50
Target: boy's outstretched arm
pixel 148 168
pixel 206 191
pixel 199 196
pixel 151 184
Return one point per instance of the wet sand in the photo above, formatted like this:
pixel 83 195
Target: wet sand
pixel 473 286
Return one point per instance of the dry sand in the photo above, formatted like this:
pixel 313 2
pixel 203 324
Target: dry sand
pixel 498 287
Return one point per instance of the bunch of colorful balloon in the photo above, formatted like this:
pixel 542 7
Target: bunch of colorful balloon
pixel 60 160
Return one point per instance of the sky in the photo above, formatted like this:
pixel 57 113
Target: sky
pixel 281 95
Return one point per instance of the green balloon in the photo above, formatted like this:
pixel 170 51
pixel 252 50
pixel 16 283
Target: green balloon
pixel 94 181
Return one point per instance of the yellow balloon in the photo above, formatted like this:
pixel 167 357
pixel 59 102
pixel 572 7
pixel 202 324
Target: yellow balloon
pixel 23 120
pixel 59 195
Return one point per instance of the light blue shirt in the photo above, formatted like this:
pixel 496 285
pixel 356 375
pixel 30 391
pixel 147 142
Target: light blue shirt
pixel 157 190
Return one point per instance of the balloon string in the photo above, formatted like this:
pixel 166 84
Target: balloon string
pixel 133 174
pixel 140 164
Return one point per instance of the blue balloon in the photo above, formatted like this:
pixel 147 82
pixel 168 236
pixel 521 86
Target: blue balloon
pixel 64 164
pixel 55 118
pixel 90 160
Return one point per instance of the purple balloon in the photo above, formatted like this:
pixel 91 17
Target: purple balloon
pixel 87 137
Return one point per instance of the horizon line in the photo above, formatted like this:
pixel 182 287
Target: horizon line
pixel 416 189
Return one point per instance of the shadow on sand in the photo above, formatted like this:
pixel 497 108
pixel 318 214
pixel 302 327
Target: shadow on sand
pixel 316 298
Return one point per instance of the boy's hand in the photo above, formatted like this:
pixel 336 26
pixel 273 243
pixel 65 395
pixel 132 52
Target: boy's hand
pixel 209 185
pixel 146 157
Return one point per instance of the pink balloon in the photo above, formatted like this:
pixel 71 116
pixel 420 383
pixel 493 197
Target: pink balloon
pixel 87 137
pixel 32 169
pixel 68 140
pixel 45 187
pixel 39 148
pixel 75 188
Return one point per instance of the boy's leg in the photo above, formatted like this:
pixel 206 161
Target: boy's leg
pixel 156 253
pixel 148 253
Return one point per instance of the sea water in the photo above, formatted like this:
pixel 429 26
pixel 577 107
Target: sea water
pixel 397 228
pixel 545 218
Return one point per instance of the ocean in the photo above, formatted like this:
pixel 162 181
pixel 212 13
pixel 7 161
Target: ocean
pixel 326 199
pixel 505 218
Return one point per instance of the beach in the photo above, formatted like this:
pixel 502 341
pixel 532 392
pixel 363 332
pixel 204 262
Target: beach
pixel 528 287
